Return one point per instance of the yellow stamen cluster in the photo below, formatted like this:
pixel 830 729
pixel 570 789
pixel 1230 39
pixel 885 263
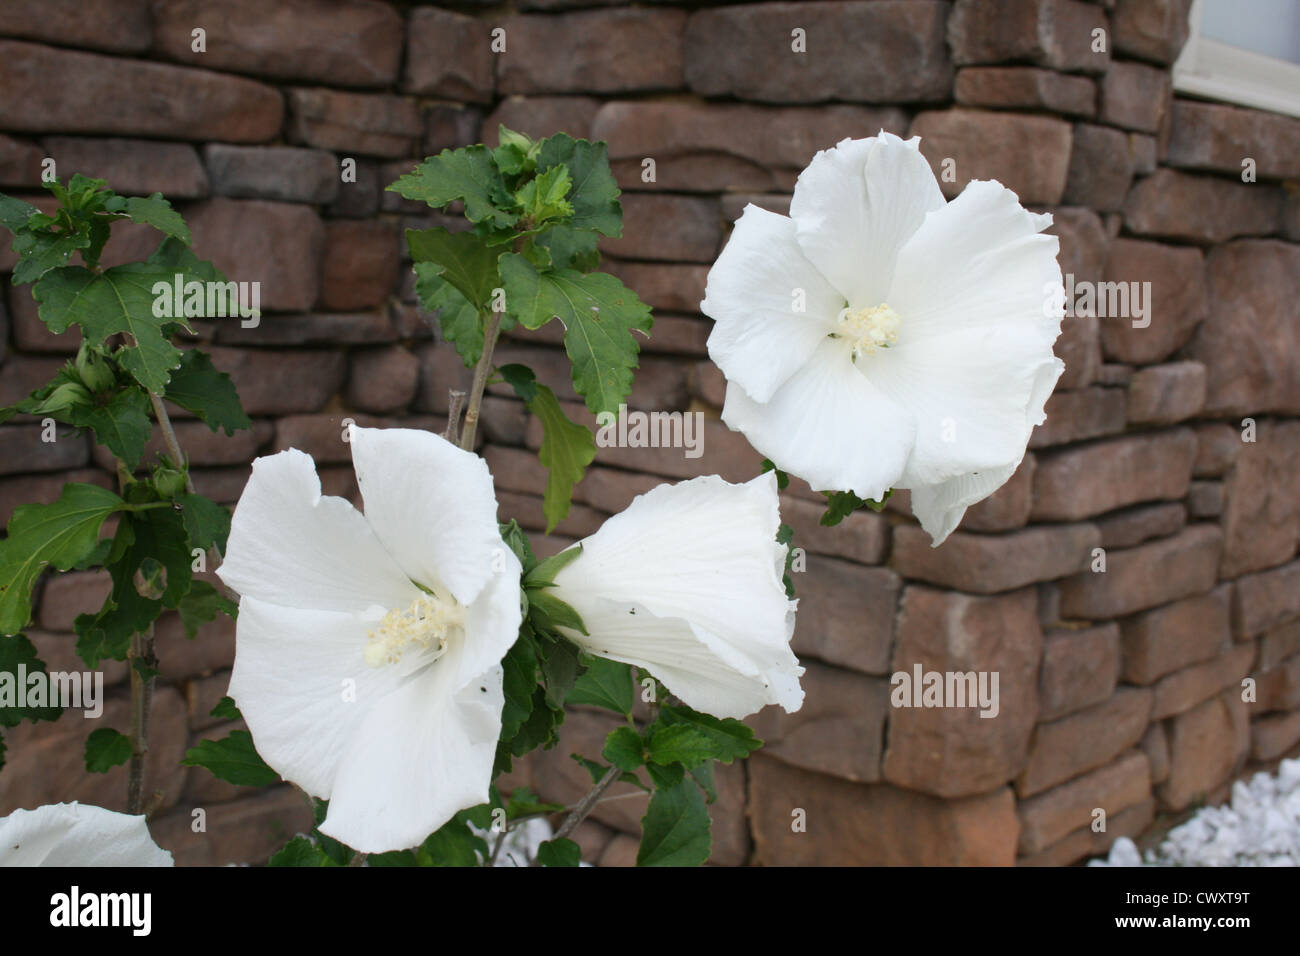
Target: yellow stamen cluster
pixel 868 329
pixel 425 626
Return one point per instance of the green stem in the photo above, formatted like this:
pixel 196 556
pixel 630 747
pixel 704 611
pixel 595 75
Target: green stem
pixel 481 373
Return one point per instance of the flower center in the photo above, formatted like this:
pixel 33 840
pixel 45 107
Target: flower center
pixel 868 329
pixel 421 630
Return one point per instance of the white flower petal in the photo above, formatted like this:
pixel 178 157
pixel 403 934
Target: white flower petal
pixel 686 582
pixel 759 280
pixel 291 546
pixel 76 835
pixel 979 261
pixel 292 668
pixel 492 621
pixel 424 753
pixel 431 504
pixel 940 507
pixel 856 205
pixel 829 425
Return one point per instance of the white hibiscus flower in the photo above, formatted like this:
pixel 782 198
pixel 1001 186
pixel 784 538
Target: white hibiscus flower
pixel 368 647
pixel 686 583
pixel 881 338
pixel 74 834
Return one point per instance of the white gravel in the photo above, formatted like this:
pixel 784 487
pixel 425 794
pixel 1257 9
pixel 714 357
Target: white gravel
pixel 1260 827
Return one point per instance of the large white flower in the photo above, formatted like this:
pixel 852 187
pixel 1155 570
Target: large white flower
pixel 686 583
pixel 368 648
pixel 74 834
pixel 881 338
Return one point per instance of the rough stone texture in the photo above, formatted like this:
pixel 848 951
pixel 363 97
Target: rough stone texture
pixel 989 563
pixel 839 730
pixel 1205 209
pixel 276 244
pixel 165 101
pixel 1146 576
pixel 383 380
pixel 1264 600
pixel 121 26
pixel 1185 632
pixel 1021 87
pixel 1217 137
pixel 667 228
pixel 1046 818
pixel 360 265
pixel 343 42
pixel 1274 736
pixel 1080 482
pixel 1008 507
pixel 1250 331
pixel 1080 668
pixel 1166 394
pixel 1074 416
pixel 540 116
pixel 1206 746
pixel 1150 29
pixel 1030 155
pixel 272 172
pixel 1217 447
pixel 704 147
pixel 450 55
pixel 850 824
pixel 1188 687
pixel 1130 526
pixel 372 124
pixel 1175 301
pixel 605 51
pixel 1155 744
pixel 884 52
pixel 852 614
pixel 1100 168
pixel 954 751
pixel 1084 740
pixel 1053 33
pixel 1134 96
pixel 1261 516
pixel 132 166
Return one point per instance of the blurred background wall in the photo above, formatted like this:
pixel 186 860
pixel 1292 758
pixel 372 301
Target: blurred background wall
pixel 1120 691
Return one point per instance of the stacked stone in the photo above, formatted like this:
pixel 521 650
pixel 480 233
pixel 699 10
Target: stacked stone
pixel 1120 691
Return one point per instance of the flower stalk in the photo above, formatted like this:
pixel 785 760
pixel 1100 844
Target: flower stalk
pixel 481 373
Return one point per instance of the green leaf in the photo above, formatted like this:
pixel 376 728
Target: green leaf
pixel 548 612
pixel 675 829
pixel 18 651
pixel 14 213
pixel 233 759
pixel 703 777
pixel 197 386
pixel 300 851
pixel 202 604
pixel 559 660
pixel 561 852
pixel 542 197
pixel 665 776
pixel 570 248
pixel 841 504
pixel 599 314
pixel 624 749
pixel 105 749
pixel 58 534
pixel 520 668
pixel 680 743
pixel 462 258
pixel 206 522
pixel 595 191
pixel 543 574
pixel 152 211
pixel 468 174
pixel 41 251
pixel 728 737
pixel 782 479
pixel 516 154
pixel 122 425
pixel 606 684
pixel 460 322
pixel 524 802
pixel 117 300
pixel 514 537
pixel 226 710
pixel 453 844
pixel 567 449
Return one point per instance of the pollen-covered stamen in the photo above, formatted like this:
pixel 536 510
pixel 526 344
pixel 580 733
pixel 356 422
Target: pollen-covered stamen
pixel 421 630
pixel 868 329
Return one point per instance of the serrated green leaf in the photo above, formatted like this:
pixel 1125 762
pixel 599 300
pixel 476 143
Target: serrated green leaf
pixel 105 749
pixel 122 424
pixel 841 504
pixel 453 844
pixel 16 651
pixel 624 749
pixel 14 213
pixel 704 778
pixel 58 535
pixel 461 323
pixel 300 851
pixel 569 248
pixel 467 174
pixel 561 852
pixel 542 197
pixel 567 449
pixel 226 710
pixel 198 386
pixel 675 829
pixel 606 684
pixel 680 743
pixel 599 315
pixel 41 251
pixel 233 759
pixel 548 612
pixel 543 573
pixel 463 259
pixel 665 776
pixel 559 660
pixel 520 680
pixel 524 802
pixel 117 300
pixel 206 522
pixel 151 211
pixel 202 604
pixel 729 738
pixel 595 192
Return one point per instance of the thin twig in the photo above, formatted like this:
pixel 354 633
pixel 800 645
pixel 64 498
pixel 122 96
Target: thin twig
pixel 481 372
pixel 455 402
pixel 587 804
pixel 169 437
